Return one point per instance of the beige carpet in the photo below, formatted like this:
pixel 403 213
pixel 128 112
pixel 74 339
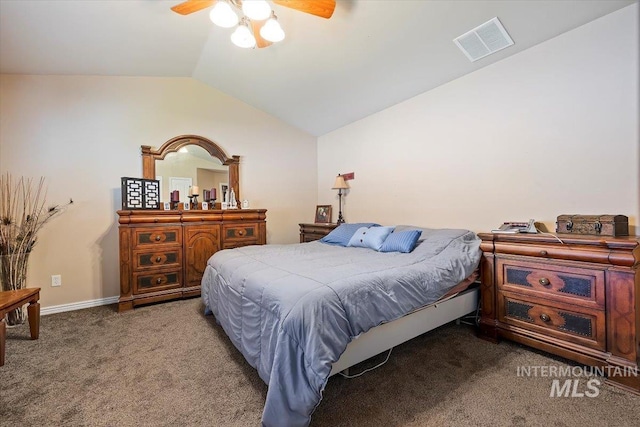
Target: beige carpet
pixel 168 364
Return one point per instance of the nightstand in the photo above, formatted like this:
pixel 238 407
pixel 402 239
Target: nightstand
pixel 311 232
pixel 577 298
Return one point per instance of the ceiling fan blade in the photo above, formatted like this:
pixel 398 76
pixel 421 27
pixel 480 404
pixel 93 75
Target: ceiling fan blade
pixel 322 8
pixel 260 42
pixel 191 6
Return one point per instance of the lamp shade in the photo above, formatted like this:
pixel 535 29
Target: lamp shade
pixel 340 184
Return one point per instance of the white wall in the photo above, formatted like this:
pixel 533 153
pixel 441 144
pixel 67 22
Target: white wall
pixel 551 130
pixel 84 133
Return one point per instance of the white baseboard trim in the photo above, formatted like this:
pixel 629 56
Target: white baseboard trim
pixel 78 305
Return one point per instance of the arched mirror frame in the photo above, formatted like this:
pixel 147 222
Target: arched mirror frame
pixel 149 157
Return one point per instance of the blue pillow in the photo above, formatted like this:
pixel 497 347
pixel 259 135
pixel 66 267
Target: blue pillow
pixel 401 241
pixel 343 233
pixel 372 237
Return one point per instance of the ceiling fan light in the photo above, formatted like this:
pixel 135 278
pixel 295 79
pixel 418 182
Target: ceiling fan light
pixel 223 15
pixel 272 31
pixel 258 10
pixel 242 37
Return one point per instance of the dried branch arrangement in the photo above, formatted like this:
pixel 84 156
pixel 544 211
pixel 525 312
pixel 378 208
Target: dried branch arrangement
pixel 22 214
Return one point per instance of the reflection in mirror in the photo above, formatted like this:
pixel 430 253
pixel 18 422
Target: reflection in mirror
pixel 191 165
pixel 232 164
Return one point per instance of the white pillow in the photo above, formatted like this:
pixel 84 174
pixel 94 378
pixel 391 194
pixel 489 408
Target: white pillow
pixel 372 238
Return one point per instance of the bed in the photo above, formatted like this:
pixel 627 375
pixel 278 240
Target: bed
pixel 293 310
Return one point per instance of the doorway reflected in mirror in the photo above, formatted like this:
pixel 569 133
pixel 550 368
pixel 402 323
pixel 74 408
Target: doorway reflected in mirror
pixel 190 166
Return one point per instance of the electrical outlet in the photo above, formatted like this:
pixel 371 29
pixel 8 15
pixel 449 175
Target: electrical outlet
pixel 56 280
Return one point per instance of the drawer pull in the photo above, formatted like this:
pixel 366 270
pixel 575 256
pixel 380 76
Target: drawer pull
pixel 543 253
pixel 240 233
pixel 158 259
pixel 158 238
pixel 545 317
pixel 544 281
pixel 159 280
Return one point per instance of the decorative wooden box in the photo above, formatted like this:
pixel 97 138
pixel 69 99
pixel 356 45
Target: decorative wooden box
pixel 595 225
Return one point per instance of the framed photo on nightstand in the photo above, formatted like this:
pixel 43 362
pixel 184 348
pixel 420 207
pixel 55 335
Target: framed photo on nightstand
pixel 323 214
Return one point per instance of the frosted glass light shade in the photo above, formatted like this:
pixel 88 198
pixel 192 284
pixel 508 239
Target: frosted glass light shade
pixel 256 9
pixel 242 37
pixel 272 31
pixel 223 15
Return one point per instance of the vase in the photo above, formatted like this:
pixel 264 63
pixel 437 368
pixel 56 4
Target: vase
pixel 13 276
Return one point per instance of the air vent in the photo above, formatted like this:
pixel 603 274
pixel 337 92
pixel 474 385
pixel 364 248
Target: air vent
pixel 484 40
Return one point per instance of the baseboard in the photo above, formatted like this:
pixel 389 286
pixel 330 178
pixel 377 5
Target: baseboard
pixel 78 305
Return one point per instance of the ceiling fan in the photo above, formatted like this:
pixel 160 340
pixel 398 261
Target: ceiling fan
pixel 265 30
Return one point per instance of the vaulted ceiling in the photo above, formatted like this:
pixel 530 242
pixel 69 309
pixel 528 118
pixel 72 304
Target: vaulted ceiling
pixel 325 74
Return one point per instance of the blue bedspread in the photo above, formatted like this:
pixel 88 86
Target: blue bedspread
pixel 292 309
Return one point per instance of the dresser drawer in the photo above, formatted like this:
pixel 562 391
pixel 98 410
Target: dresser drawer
pixel 144 260
pixel 156 281
pixel 584 327
pixel 235 235
pixel 584 286
pixel 156 236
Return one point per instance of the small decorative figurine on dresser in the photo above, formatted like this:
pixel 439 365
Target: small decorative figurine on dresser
pixel 233 203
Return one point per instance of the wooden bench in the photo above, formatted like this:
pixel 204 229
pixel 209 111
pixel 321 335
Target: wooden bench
pixel 10 300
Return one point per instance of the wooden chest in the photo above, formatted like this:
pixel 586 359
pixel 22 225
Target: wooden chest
pixel 577 298
pixel 595 225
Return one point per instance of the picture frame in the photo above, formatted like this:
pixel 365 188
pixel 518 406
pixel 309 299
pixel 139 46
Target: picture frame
pixel 166 206
pixel 224 186
pixel 186 206
pixel 323 214
pixel 205 206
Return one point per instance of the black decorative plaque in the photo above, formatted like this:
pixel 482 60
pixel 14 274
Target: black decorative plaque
pixel 138 193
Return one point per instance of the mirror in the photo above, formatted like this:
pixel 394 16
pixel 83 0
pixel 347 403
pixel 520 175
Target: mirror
pixel 191 160
pixel 191 165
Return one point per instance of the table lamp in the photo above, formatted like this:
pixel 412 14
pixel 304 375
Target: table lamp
pixel 340 185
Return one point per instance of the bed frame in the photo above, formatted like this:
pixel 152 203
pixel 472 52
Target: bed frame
pixel 388 335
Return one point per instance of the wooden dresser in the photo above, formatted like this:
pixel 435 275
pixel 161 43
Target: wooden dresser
pixel 163 254
pixel 311 232
pixel 579 298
